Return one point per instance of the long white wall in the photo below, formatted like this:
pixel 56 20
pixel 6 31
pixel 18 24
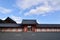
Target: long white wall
pixel 36 30
pixel 47 30
pixel 12 30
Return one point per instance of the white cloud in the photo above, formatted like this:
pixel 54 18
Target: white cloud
pixel 17 19
pixel 5 10
pixel 26 3
pixel 48 6
pixel 3 18
pixel 40 10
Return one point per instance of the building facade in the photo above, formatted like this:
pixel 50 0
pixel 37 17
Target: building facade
pixel 9 25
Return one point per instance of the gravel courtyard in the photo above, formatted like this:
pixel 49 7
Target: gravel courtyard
pixel 29 36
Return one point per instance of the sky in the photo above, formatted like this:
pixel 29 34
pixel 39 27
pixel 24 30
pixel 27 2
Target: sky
pixel 43 11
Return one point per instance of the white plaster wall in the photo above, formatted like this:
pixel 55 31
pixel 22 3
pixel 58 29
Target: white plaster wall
pixel 20 30
pixel 11 30
pixel 47 30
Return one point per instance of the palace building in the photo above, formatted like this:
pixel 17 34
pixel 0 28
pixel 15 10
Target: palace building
pixel 9 25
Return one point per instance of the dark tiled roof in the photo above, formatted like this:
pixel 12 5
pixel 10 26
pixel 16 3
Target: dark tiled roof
pixel 48 25
pixel 9 25
pixel 9 20
pixel 29 22
pixel 20 25
pixel 1 21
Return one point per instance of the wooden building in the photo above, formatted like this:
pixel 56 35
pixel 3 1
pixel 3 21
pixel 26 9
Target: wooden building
pixel 9 25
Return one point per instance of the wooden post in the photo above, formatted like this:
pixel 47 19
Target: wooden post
pixel 25 28
pixel 33 28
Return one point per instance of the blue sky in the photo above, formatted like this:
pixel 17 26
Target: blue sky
pixel 44 11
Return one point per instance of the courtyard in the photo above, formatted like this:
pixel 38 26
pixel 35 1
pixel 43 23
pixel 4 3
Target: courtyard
pixel 29 36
